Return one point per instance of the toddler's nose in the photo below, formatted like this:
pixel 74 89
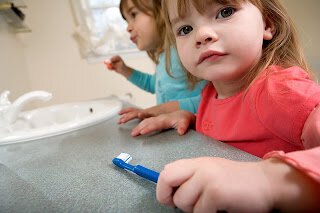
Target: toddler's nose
pixel 205 35
pixel 129 28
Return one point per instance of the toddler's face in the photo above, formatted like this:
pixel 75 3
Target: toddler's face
pixel 142 28
pixel 221 44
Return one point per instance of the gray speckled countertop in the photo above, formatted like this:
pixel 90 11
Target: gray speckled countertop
pixel 73 172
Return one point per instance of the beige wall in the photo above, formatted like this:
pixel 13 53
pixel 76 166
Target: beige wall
pixel 48 58
pixel 13 69
pixel 306 15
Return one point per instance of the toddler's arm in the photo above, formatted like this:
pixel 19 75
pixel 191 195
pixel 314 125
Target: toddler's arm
pixel 190 104
pixel 179 120
pixel 142 80
pixel 210 184
pixel 311 130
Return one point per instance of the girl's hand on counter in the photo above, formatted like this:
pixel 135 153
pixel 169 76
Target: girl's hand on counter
pixel 210 184
pixel 131 113
pixel 179 120
pixel 116 64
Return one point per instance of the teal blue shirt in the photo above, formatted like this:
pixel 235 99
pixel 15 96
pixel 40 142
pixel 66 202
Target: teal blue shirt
pixel 169 88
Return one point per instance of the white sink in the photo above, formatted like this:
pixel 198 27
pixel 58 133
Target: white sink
pixel 58 119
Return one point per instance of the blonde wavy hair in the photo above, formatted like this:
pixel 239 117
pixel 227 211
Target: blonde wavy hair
pixel 153 9
pixel 283 50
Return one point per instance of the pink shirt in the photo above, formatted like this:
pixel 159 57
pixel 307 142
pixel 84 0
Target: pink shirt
pixel 307 160
pixel 269 116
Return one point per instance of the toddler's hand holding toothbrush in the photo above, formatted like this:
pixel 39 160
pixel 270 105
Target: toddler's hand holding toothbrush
pixel 210 184
pixel 116 64
pixel 108 64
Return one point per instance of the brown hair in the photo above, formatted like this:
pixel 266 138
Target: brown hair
pixel 153 9
pixel 283 50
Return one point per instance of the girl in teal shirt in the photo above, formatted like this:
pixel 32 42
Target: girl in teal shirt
pixel 173 92
pixel 167 88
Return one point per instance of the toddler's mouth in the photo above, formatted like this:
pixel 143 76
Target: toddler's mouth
pixel 210 55
pixel 133 39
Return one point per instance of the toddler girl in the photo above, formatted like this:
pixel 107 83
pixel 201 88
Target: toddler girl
pixel 260 98
pixel 147 30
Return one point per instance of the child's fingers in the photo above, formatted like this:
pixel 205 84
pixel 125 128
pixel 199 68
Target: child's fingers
pixel 202 204
pixel 182 129
pixel 139 130
pixel 173 175
pixel 136 131
pixel 188 193
pixel 127 110
pixel 108 64
pixel 147 126
pixel 181 125
pixel 115 59
pixel 128 117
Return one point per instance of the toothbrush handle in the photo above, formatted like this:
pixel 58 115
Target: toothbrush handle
pixel 146 173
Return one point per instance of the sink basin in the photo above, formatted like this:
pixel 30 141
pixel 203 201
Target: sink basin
pixel 58 119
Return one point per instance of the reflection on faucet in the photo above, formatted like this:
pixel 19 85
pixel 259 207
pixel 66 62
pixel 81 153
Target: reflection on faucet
pixel 10 111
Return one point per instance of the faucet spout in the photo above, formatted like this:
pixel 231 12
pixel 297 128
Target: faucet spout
pixel 31 96
pixel 11 111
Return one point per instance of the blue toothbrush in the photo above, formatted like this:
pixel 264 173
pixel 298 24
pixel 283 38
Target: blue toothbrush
pixel 123 160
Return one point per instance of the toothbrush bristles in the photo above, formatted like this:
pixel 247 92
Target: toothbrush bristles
pixel 125 157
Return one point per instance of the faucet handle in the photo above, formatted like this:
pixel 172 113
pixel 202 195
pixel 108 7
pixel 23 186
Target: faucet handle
pixel 4 98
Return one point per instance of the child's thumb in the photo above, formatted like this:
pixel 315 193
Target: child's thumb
pixel 182 129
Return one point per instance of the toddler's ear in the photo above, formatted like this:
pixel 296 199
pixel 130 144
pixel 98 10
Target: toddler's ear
pixel 268 34
pixel 269 30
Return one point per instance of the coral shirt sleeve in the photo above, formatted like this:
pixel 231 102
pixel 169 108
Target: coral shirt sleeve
pixel 308 160
pixel 311 130
pixel 285 101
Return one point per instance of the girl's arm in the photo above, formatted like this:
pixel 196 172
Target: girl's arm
pixel 190 104
pixel 311 130
pixel 143 80
pixel 140 79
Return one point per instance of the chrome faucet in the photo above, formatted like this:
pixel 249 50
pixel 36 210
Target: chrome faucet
pixel 10 111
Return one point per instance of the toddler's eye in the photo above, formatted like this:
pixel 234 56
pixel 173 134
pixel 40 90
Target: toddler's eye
pixel 225 12
pixel 184 30
pixel 133 14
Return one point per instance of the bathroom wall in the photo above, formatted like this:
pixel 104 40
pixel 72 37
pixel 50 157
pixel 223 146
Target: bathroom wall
pixel 13 70
pixel 305 15
pixel 48 57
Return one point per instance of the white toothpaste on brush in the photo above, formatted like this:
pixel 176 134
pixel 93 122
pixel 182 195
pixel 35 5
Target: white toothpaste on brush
pixel 123 160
